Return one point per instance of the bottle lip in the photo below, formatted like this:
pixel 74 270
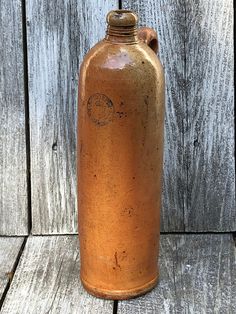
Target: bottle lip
pixel 122 18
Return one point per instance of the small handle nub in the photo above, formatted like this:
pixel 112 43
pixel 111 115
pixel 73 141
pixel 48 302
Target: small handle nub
pixel 149 37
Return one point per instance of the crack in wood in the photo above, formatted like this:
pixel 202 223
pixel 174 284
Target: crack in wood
pixel 234 237
pixel 115 307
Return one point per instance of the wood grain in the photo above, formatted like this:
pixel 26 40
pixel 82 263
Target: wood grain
pixel 13 187
pixel 168 18
pixel 9 250
pixel 196 48
pixel 197 276
pixel 209 138
pixel 59 35
pixel 47 280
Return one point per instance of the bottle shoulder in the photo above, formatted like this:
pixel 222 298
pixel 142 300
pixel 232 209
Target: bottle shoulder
pixel 109 56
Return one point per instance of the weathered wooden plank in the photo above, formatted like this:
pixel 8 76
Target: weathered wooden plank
pixel 168 18
pixel 59 34
pixel 196 48
pixel 47 280
pixel 209 139
pixel 13 187
pixel 197 276
pixel 9 250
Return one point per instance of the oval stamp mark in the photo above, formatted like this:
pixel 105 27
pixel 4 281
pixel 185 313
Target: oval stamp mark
pixel 100 109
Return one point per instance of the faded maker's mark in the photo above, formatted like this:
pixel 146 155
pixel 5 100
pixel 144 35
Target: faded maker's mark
pixel 100 109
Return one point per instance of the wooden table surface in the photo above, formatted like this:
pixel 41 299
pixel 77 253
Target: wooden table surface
pixel 40 274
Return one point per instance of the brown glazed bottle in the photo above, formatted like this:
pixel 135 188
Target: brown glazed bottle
pixel 120 148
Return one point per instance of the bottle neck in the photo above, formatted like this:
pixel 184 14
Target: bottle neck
pixel 124 34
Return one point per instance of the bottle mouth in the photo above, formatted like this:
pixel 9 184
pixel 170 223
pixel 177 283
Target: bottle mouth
pixel 122 18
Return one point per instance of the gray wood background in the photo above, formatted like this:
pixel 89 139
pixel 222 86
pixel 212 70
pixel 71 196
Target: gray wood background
pixel 59 34
pixel 196 49
pixel 13 172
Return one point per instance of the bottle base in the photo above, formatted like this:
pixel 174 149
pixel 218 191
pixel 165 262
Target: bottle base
pixel 119 294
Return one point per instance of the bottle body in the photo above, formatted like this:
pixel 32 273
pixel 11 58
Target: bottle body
pixel 120 148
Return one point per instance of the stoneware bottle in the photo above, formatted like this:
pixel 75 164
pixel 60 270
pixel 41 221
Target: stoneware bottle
pixel 120 148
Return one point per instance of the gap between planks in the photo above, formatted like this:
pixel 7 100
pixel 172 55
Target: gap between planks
pixel 27 114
